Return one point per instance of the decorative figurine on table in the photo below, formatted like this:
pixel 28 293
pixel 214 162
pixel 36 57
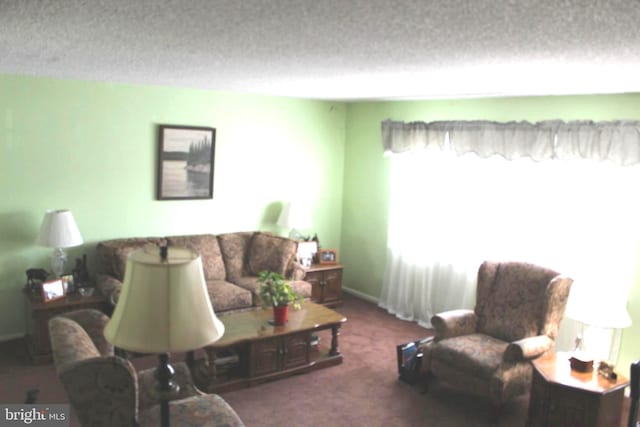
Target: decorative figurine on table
pixel 81 276
pixel 315 255
pixel 35 278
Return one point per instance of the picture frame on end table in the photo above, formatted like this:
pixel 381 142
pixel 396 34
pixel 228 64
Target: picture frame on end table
pixel 53 290
pixel 67 283
pixel 327 256
pixel 306 252
pixel 186 157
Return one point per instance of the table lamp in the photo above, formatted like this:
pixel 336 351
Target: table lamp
pixel 598 316
pixel 59 231
pixel 164 306
pixel 295 216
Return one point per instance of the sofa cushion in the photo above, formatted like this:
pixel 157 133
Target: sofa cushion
pixel 114 253
pixel 227 296
pixel 251 284
pixel 477 354
pixel 270 253
pixel 234 248
pixel 207 246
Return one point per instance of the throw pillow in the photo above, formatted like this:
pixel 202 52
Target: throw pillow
pixel 271 253
pixel 207 246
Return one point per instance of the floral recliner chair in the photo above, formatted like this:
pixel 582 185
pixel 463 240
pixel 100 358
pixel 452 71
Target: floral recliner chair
pixel 487 351
pixel 105 390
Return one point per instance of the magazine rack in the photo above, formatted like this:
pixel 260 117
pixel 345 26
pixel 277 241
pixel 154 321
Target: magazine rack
pixel 410 359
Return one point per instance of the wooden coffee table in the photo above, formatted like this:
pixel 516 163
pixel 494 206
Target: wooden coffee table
pixel 252 351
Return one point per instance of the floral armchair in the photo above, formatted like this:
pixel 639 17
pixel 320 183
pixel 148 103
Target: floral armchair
pixel 487 351
pixel 105 390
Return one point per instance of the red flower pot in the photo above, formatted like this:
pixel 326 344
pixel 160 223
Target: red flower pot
pixel 280 315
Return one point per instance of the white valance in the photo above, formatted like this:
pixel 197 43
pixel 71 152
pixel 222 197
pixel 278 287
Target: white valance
pixel 617 141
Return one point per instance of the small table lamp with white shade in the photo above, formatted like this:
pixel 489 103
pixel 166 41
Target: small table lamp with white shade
pixel 600 318
pixel 295 216
pixel 164 306
pixel 58 231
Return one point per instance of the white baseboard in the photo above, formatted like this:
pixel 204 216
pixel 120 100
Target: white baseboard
pixel 10 337
pixel 361 295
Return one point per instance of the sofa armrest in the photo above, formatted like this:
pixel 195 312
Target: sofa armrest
pixel 110 287
pixel 454 323
pixel 296 271
pixel 527 348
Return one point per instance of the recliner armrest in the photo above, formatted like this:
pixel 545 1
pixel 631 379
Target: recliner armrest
pixel 527 348
pixel 454 323
pixel 93 322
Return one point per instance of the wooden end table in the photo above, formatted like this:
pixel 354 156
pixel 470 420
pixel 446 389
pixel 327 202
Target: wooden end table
pixel 38 315
pixel 326 283
pixel 562 397
pixel 265 352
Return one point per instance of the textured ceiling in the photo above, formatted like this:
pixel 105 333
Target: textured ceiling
pixel 331 49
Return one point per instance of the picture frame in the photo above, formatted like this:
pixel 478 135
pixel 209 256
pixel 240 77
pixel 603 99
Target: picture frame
pixel 186 159
pixel 52 290
pixel 327 256
pixel 67 283
pixel 306 251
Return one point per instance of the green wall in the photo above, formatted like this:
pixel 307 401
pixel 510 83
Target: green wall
pixel 366 173
pixel 92 148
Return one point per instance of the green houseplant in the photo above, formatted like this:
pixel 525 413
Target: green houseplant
pixel 277 293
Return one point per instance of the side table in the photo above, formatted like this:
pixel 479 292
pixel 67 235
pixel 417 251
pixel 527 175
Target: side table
pixel 326 283
pixel 562 397
pixel 38 314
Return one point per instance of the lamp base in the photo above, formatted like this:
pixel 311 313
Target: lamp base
pixel 166 387
pixel 164 374
pixel 58 260
pixel 581 363
pixel 296 235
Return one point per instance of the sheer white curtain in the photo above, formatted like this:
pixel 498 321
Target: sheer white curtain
pixel 449 211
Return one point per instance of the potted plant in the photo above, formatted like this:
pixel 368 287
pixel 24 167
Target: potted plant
pixel 277 293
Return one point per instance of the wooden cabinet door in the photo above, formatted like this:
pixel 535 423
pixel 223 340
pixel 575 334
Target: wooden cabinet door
pixel 315 278
pixel 332 285
pixel 296 350
pixel 265 356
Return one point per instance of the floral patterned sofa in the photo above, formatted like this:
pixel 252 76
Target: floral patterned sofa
pixel 105 389
pixel 231 263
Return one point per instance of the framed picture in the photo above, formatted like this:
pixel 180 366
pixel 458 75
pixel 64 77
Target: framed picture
pixel 327 256
pixel 52 290
pixel 185 162
pixel 67 283
pixel 306 251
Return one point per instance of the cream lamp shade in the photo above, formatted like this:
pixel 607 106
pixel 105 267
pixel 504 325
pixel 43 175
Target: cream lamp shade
pixel 164 305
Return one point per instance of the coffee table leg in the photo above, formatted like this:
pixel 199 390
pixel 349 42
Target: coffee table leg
pixel 335 332
pixel 211 357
